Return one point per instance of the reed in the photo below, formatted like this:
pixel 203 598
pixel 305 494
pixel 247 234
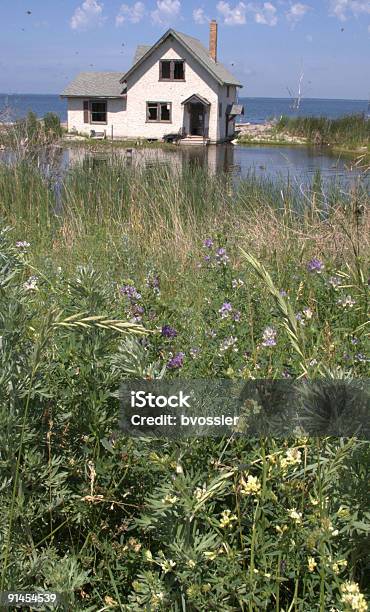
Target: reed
pixel 351 130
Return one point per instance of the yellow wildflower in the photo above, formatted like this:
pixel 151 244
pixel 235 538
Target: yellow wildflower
pixel 338 565
pixel 210 554
pixel 227 518
pixel 294 515
pixel 293 456
pixel 168 565
pixel 169 499
pixel 199 492
pixel 343 512
pixel 352 597
pixel 157 598
pixel 311 563
pixel 251 487
pixel 282 529
pixel 109 601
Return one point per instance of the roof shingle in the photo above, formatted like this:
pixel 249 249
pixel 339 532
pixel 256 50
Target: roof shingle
pixel 197 50
pixel 95 84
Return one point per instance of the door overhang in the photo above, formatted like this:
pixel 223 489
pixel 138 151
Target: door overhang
pixel 196 99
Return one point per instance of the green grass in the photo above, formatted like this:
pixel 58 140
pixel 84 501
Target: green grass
pixel 352 131
pixel 232 523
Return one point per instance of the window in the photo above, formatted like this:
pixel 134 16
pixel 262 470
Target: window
pixel 152 111
pixel 165 70
pixel 172 70
pixel 98 112
pixel 220 109
pixel 178 71
pixel 228 91
pixel 159 112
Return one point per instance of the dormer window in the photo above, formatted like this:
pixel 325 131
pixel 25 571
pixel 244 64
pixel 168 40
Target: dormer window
pixel 172 70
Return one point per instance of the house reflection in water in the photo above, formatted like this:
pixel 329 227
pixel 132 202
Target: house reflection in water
pixel 214 159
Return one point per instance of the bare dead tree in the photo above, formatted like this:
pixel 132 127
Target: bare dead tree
pixel 296 99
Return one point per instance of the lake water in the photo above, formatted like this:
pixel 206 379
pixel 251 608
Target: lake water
pixel 257 110
pixel 296 164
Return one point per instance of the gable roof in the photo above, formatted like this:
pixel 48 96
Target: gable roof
pixel 196 49
pixel 141 50
pixel 95 84
pixel 196 98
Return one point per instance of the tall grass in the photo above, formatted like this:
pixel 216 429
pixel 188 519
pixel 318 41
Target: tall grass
pixel 164 214
pixel 350 130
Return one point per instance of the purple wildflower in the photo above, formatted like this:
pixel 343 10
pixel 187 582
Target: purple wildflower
pixel 361 357
pixel 207 258
pixel 22 244
pixel 269 336
pixel 176 362
pixel 229 343
pixel 315 265
pixel 335 281
pixel 211 333
pixel 283 293
pixel 347 301
pixel 225 310
pixel 137 313
pixel 237 316
pixel 168 331
pixel 31 283
pixel 152 281
pixel 221 256
pixel 208 243
pixel 131 292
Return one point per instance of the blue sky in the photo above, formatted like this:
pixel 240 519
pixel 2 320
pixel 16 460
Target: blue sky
pixel 268 45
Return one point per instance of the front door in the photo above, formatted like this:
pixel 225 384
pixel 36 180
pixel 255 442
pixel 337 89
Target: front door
pixel 197 119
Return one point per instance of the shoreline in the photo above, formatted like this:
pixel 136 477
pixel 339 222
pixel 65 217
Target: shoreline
pixel 247 134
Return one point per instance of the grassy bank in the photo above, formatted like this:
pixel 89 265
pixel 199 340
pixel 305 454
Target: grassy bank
pixel 121 273
pixel 351 131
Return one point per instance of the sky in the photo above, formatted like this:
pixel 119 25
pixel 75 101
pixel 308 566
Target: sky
pixel 270 46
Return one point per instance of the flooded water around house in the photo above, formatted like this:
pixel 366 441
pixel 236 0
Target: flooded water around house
pixel 300 165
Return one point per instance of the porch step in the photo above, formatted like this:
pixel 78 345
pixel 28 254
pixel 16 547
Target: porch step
pixel 194 140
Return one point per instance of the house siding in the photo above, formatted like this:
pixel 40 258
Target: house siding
pixel 128 119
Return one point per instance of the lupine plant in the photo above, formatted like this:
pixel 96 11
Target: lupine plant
pixel 227 523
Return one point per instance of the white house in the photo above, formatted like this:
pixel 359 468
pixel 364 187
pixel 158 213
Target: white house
pixel 175 87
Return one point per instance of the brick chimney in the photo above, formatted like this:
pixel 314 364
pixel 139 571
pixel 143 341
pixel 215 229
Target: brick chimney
pixel 213 39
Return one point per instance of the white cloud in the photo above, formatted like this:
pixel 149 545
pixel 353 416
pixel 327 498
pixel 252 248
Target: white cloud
pixel 200 17
pixel 297 12
pixel 166 11
pixel 342 9
pixel 266 14
pixel 133 14
pixel 232 16
pixel 309 38
pixel 89 14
